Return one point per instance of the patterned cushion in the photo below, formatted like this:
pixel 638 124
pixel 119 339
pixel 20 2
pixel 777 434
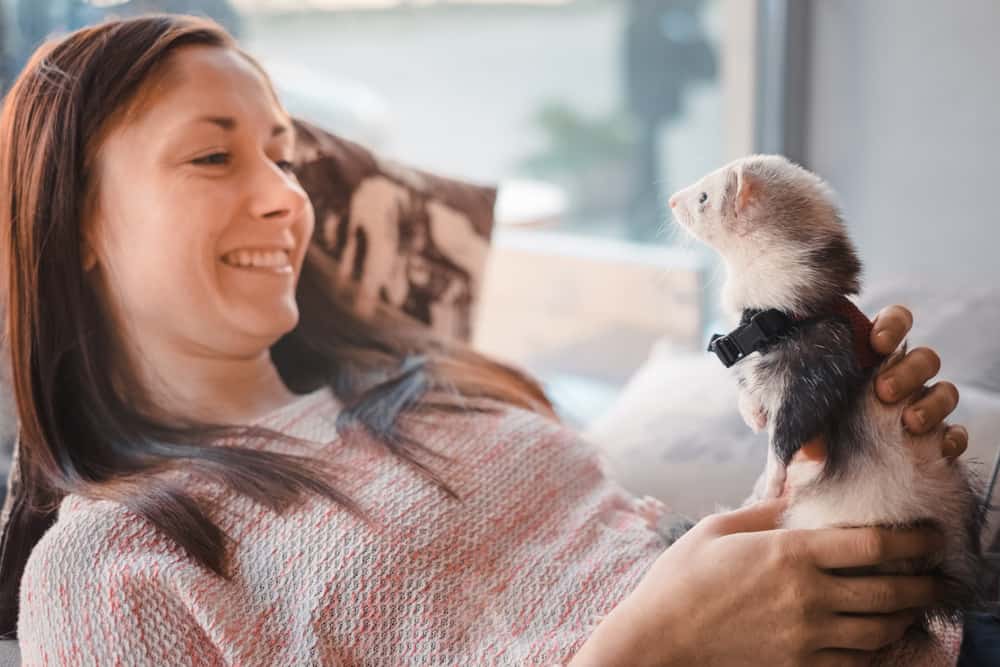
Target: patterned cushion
pixel 411 239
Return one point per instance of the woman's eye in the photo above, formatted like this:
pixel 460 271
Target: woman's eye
pixel 285 165
pixel 215 159
pixel 703 198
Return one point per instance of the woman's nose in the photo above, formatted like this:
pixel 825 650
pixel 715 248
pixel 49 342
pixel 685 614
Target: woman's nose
pixel 277 195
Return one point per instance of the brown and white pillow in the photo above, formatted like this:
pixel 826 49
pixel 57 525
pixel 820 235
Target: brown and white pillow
pixel 410 239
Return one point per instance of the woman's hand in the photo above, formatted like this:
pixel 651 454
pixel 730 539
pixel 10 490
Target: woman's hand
pixel 733 590
pixel 902 379
pixel 906 376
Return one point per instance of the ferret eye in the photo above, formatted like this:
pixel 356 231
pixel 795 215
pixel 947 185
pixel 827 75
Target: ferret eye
pixel 703 198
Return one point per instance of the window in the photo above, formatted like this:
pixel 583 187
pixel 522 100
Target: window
pixel 587 113
pixel 587 108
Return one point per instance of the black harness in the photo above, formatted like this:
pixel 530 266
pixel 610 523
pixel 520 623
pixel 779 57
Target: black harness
pixel 758 330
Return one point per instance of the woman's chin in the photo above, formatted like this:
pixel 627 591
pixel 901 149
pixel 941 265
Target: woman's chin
pixel 268 324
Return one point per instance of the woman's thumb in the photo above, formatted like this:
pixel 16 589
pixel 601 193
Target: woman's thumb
pixel 763 515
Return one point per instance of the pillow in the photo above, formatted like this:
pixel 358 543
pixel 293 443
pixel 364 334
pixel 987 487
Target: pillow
pixel 674 433
pixel 410 239
pixel 959 323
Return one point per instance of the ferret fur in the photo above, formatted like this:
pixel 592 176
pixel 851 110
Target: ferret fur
pixel 780 234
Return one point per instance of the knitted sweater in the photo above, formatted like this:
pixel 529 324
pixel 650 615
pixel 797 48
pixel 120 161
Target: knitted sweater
pixel 541 546
pixel 516 573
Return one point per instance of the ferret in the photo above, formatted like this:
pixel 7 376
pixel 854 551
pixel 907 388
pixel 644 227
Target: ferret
pixel 805 368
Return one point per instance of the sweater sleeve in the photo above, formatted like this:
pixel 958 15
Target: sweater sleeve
pixel 89 597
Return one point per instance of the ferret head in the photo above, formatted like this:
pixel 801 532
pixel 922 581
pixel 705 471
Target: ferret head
pixel 778 230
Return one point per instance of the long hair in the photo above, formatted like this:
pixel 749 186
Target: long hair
pixel 77 433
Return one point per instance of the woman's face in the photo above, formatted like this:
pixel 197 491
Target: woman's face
pixel 199 227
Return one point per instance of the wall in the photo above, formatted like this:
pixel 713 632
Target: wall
pixel 903 111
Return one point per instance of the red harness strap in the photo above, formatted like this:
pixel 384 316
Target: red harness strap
pixel 861 328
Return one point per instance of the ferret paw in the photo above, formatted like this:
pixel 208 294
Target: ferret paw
pixel 775 488
pixel 777 475
pixel 753 413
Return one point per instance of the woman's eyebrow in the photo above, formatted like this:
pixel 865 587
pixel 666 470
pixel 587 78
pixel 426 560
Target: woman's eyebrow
pixel 229 123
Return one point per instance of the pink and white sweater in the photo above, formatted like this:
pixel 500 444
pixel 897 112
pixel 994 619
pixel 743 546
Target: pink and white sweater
pixel 518 573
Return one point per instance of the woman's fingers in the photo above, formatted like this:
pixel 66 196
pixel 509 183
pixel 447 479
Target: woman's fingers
pixel 904 376
pixel 866 633
pixel 835 548
pixel 878 594
pixel 932 408
pixel 956 439
pixel 763 515
pixel 908 376
pixel 890 328
pixel 812 450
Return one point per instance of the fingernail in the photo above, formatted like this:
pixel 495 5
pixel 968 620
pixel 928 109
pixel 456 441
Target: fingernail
pixel 950 447
pixel 890 387
pixel 920 418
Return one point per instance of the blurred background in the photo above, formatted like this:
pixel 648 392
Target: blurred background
pixel 578 95
pixel 589 113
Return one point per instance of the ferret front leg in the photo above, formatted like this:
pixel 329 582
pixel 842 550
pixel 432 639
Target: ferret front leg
pixel 775 475
pixel 771 482
pixel 752 411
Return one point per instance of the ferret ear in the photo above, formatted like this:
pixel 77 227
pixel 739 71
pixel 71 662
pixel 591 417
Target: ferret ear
pixel 729 191
pixel 747 190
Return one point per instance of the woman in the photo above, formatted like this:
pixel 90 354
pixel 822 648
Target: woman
pixel 250 475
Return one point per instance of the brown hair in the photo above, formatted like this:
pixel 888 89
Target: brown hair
pixel 77 434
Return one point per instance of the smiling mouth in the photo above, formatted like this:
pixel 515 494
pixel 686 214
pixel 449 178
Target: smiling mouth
pixel 262 261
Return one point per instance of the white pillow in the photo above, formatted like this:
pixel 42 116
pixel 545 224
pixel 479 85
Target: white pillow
pixel 674 433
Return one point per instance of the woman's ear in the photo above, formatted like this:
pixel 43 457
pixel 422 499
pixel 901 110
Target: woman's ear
pixel 89 258
pixel 88 254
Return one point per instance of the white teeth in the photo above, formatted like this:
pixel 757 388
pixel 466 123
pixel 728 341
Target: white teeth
pixel 264 259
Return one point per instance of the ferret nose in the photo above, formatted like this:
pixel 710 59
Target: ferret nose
pixel 673 202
